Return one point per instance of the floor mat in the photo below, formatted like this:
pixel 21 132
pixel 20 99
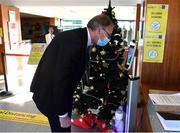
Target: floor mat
pixel 23 117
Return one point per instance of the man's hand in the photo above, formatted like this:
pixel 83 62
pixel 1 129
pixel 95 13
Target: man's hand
pixel 65 121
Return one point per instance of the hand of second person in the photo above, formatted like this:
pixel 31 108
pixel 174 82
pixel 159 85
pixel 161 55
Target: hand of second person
pixel 65 122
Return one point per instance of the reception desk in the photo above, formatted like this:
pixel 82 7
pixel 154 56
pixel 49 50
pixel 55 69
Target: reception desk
pixel 149 120
pixel 153 118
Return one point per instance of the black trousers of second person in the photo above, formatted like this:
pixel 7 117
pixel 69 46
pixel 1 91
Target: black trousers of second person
pixel 55 124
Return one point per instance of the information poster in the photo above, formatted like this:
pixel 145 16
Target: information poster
pixel 155 32
pixel 12 16
pixel 13 32
pixel 36 53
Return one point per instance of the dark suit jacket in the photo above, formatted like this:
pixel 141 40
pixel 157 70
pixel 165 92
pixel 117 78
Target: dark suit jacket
pixel 59 71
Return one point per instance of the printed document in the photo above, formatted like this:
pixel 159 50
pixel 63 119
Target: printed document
pixel 169 121
pixel 166 99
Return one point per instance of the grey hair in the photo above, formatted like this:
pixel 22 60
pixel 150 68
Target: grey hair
pixel 99 21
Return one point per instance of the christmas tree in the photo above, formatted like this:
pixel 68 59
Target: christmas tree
pixel 104 86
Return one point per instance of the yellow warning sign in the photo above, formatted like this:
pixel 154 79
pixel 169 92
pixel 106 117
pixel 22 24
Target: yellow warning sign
pixel 155 32
pixel 23 117
pixel 36 53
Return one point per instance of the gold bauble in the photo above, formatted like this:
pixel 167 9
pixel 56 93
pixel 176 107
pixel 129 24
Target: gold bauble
pixel 121 75
pixel 94 49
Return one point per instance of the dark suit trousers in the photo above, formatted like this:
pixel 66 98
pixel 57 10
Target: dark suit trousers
pixel 55 124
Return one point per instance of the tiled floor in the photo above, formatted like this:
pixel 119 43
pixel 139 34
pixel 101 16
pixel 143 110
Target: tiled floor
pixel 19 78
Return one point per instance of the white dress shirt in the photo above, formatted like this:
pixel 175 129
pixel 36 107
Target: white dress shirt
pixel 49 38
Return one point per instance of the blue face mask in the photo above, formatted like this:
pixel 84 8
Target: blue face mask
pixel 102 42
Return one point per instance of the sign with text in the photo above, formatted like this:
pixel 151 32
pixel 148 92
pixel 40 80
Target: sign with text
pixel 12 16
pixel 155 32
pixel 13 32
pixel 36 53
pixel 24 117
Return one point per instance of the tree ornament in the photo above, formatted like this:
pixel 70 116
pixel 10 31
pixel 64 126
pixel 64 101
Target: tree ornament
pixel 91 88
pixel 103 52
pixel 104 64
pixel 94 49
pixel 76 99
pixel 121 75
pixel 75 111
pixel 97 57
pixel 116 52
pixel 81 120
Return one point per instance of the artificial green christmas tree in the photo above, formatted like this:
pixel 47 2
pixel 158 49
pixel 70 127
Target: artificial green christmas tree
pixel 105 87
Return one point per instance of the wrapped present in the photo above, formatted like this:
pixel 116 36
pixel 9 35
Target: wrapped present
pixel 84 121
pixel 102 125
pixel 88 121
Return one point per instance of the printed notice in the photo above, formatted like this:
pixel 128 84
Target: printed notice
pixel 169 121
pixel 166 99
pixel 155 32
pixel 36 53
pixel 24 117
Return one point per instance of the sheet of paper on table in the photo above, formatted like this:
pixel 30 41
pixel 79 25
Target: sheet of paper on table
pixel 166 99
pixel 169 121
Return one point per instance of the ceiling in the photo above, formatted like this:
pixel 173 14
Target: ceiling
pixel 70 8
pixel 70 2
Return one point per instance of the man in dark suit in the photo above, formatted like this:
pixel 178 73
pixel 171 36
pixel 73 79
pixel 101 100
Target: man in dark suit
pixel 61 68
